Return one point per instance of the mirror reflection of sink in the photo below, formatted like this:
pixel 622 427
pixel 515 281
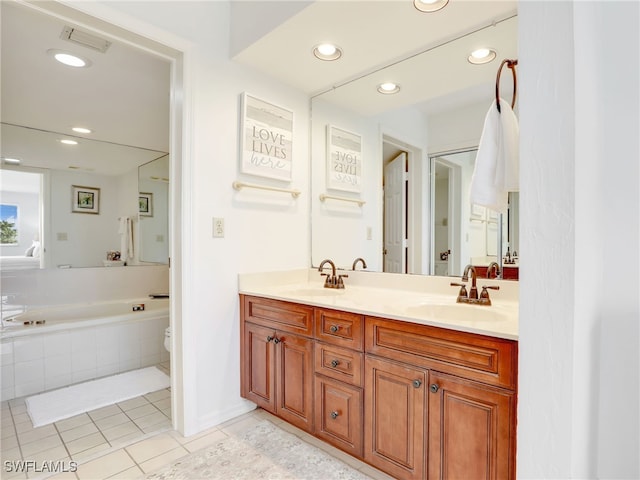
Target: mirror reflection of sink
pixel 315 292
pixel 457 312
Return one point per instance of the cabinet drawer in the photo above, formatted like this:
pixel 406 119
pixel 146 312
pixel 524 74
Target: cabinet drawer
pixel 338 415
pixel 339 328
pixel 289 317
pixel 339 363
pixel 486 359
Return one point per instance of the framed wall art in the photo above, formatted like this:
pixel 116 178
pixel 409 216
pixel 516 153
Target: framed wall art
pixel 267 138
pixel 145 204
pixel 85 199
pixel 344 160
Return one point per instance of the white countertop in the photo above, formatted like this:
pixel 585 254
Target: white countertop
pixel 426 300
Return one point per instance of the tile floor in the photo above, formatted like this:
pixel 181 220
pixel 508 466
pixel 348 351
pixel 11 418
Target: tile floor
pixel 121 441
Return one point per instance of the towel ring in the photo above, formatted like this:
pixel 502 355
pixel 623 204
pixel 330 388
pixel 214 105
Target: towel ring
pixel 512 65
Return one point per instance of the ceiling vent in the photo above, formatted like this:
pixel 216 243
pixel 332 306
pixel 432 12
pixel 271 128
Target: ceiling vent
pixel 85 39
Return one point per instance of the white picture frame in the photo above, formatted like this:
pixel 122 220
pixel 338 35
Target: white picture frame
pixel 266 139
pixel 344 160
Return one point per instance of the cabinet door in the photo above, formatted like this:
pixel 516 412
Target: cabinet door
pixel 395 417
pixel 294 366
pixel 338 414
pixel 258 361
pixel 471 430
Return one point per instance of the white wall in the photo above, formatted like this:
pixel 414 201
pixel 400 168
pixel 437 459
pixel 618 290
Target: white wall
pixel 578 411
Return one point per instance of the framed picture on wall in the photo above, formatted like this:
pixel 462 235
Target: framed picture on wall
pixel 145 204
pixel 85 199
pixel 344 160
pixel 267 138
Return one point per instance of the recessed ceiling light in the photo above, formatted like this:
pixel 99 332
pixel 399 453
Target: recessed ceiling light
pixel 327 51
pixel 482 55
pixel 11 161
pixel 430 6
pixel 81 130
pixel 69 59
pixel 68 141
pixel 388 88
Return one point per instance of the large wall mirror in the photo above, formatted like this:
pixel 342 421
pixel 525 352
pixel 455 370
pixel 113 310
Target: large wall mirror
pixel 75 198
pixel 410 212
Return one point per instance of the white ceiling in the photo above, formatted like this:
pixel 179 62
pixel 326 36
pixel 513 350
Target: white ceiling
pixel 124 95
pixel 377 34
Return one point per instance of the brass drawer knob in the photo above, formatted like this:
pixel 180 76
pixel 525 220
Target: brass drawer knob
pixel 335 363
pixel 334 328
pixel 334 415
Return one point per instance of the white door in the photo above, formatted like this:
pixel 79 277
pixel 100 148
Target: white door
pixel 395 218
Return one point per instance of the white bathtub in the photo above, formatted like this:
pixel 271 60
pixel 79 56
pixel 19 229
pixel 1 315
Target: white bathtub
pixel 52 347
pixel 48 319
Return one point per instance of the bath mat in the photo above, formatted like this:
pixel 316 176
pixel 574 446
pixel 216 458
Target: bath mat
pixel 262 452
pixel 66 402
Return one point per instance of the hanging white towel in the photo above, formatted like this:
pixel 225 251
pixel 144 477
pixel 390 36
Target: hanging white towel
pixel 126 238
pixel 497 168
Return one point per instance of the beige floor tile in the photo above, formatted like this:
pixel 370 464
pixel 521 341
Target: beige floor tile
pixel 85 443
pixel 152 447
pixel 73 422
pixel 239 426
pixel 51 455
pixel 153 418
pixel 163 426
pixel 167 412
pixel 6 419
pixel 7 432
pixel 141 411
pixel 19 409
pixel 120 431
pixel 34 434
pixel 127 439
pixel 163 404
pixel 14 402
pixel 105 466
pixel 13 475
pixel 154 397
pixel 41 445
pixel 205 441
pixel 9 442
pixel 78 432
pixel 112 421
pixel 22 418
pixel 133 403
pixel 131 473
pixel 163 460
pixel 10 454
pixel 63 476
pixel 91 453
pixel 107 411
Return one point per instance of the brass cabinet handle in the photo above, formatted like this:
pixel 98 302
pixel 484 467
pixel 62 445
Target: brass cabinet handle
pixel 334 415
pixel 434 388
pixel 276 340
pixel 334 328
pixel 335 363
pixel 417 383
pixel 269 338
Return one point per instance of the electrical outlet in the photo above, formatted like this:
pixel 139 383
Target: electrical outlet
pixel 218 227
pixel 369 233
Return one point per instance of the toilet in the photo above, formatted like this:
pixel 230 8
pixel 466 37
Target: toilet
pixel 167 339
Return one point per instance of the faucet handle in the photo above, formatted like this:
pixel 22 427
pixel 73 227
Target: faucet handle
pixel 328 282
pixel 340 281
pixel 485 294
pixel 463 289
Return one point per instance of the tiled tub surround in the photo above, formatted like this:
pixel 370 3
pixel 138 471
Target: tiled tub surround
pixel 36 358
pixel 427 300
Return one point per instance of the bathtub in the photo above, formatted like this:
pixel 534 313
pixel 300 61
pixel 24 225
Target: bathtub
pixel 52 347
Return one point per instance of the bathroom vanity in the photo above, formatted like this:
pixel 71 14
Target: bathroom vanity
pixel 401 378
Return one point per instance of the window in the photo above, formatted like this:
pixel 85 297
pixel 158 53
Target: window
pixel 8 224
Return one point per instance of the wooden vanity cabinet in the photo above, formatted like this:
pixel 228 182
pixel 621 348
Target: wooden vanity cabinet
pixel 277 365
pixel 415 401
pixel 339 362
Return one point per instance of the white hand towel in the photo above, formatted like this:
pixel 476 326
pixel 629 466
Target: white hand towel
pixel 126 238
pixel 496 170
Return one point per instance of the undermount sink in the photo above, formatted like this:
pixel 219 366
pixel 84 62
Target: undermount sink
pixel 457 312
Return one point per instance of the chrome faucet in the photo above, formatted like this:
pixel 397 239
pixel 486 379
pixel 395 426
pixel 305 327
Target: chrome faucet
pixel 332 281
pixel 355 262
pixel 494 269
pixel 472 296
